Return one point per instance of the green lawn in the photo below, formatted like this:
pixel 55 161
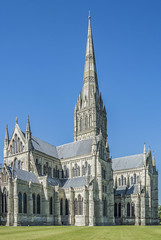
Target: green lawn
pixel 81 233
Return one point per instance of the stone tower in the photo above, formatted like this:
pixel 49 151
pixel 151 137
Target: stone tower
pixel 90 114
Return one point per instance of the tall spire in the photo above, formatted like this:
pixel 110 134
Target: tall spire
pixel 90 84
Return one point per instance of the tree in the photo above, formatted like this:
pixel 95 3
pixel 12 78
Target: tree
pixel 159 210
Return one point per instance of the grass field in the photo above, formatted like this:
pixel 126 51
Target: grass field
pixel 81 233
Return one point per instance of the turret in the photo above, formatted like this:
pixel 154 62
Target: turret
pixel 6 142
pixel 153 160
pixel 28 130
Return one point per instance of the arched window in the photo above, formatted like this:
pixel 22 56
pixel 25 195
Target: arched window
pixel 128 210
pixel 119 209
pixel 122 180
pixel 66 207
pixel 51 206
pixel 5 200
pixel 62 173
pixel 133 209
pixel 24 203
pixel 13 144
pixel 125 181
pixel 16 143
pixel 115 210
pixel 20 202
pixel 119 182
pixel 33 202
pixel 38 204
pixel 134 178
pixel 75 207
pixel 61 206
pixel 80 205
pixel 105 207
pixel 86 122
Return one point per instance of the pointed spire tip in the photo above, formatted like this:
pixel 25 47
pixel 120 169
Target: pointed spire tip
pixel 89 16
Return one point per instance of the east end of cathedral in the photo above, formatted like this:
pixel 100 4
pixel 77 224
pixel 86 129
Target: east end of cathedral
pixel 77 183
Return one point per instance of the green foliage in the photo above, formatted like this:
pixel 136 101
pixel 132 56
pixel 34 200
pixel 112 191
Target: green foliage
pixel 81 233
pixel 159 210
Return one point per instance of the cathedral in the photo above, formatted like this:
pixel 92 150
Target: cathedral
pixel 77 183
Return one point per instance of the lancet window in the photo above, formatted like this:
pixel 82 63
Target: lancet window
pixel 104 207
pixel 115 210
pixel 16 146
pixel 4 201
pixel 103 173
pixel 66 172
pixel 39 167
pixel 76 170
pixel 78 205
pixel 133 209
pixel 20 202
pixel 66 207
pixel 38 204
pixel 61 206
pixel 86 167
pixel 51 206
pixel 34 203
pixel 128 209
pixel 119 212
pixel 24 203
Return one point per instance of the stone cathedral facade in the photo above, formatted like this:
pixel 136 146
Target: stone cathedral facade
pixel 76 183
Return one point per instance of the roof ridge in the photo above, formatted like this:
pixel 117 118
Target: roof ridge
pixel 43 141
pixel 74 142
pixel 128 156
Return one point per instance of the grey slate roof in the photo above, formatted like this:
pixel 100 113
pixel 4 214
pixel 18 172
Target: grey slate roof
pixel 126 191
pixel 68 150
pixel 74 182
pixel 23 175
pixel 54 182
pixel 44 147
pixel 133 161
pixel 67 183
pixel 75 149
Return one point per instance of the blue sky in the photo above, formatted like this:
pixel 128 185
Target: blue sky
pixel 42 52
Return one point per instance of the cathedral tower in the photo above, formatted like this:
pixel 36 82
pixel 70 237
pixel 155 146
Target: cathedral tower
pixel 90 114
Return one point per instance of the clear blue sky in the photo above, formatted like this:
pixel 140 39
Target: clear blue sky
pixel 42 52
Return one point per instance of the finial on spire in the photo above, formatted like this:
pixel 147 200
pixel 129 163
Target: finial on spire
pixel 16 120
pixel 145 148
pixel 153 159
pixel 28 130
pixel 6 134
